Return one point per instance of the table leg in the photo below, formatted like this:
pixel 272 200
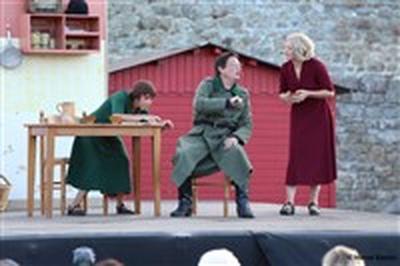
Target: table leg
pixel 156 171
pixel 31 172
pixel 49 173
pixel 42 182
pixel 136 170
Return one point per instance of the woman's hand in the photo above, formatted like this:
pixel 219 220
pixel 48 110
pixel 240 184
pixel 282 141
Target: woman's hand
pixel 167 124
pixel 286 97
pixel 153 118
pixel 300 95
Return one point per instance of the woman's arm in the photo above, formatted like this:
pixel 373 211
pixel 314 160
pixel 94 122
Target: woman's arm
pixel 137 118
pixel 284 93
pixel 301 95
pixel 321 94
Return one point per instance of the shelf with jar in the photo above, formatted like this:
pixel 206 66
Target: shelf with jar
pixel 60 33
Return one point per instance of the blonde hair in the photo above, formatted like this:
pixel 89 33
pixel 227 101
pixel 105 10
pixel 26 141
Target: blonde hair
pixel 343 256
pixel 302 45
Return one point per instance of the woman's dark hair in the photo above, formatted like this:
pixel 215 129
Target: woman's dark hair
pixel 142 87
pixel 221 60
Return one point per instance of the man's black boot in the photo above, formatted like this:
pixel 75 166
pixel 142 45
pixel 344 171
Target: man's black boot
pixel 184 208
pixel 242 203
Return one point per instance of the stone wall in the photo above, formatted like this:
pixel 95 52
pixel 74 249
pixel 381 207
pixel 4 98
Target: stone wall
pixel 358 39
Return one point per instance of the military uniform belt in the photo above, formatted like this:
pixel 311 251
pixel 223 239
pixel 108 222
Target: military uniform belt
pixel 220 124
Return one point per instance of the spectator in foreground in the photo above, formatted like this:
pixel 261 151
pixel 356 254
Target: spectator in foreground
pixel 109 262
pixel 8 262
pixel 342 256
pixel 218 257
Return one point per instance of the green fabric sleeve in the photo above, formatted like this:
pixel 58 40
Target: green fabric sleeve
pixel 203 103
pixel 243 133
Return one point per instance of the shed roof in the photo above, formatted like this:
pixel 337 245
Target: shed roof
pixel 155 56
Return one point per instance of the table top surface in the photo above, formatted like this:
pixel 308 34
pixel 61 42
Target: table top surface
pixel 95 125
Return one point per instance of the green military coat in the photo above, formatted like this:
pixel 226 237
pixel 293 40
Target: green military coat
pixel 101 163
pixel 201 151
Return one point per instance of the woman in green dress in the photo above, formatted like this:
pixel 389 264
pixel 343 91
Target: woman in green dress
pixel 101 163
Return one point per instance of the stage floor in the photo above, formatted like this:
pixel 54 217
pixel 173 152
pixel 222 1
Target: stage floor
pixel 209 218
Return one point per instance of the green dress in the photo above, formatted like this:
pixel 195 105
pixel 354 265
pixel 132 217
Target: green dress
pixel 101 163
pixel 201 151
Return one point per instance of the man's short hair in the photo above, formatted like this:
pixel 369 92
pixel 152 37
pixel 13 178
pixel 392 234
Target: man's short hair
pixel 220 61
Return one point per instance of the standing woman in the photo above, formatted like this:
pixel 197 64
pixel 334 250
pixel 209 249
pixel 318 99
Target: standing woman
pixel 306 86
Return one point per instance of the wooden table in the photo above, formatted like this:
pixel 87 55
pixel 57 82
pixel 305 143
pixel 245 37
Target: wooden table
pixel 48 133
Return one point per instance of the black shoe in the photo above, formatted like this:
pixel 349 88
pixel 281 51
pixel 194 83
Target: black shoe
pixel 243 209
pixel 185 194
pixel 122 209
pixel 287 209
pixel 184 209
pixel 76 211
pixel 313 209
pixel 242 204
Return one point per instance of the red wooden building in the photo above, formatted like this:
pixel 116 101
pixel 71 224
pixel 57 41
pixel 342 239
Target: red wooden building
pixel 176 74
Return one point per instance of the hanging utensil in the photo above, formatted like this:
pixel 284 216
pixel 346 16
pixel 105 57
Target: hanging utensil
pixel 11 57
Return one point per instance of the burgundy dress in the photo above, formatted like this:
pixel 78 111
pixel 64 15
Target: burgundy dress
pixel 312 159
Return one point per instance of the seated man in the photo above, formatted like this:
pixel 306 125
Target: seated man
pixel 101 163
pixel 222 125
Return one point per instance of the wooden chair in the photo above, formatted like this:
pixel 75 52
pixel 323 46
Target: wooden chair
pixel 59 184
pixel 226 185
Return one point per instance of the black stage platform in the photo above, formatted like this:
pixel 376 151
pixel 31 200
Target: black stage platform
pixel 251 248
